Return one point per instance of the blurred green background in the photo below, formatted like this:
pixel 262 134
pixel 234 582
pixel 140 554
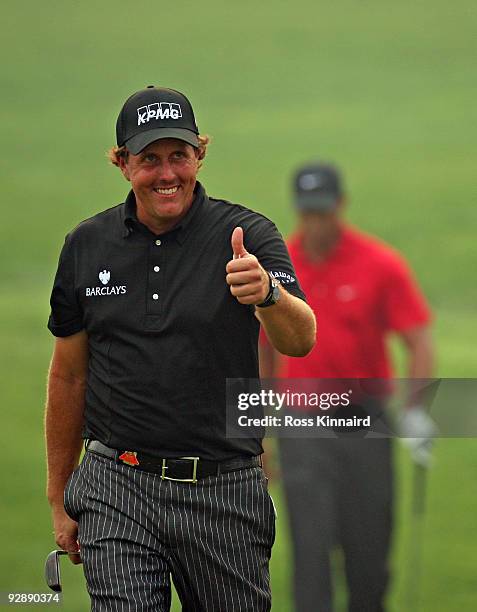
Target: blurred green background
pixel 387 90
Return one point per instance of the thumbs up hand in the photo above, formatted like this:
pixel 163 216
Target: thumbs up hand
pixel 248 281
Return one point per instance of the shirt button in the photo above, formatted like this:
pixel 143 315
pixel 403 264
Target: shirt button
pixel 158 242
pixel 156 268
pixel 155 296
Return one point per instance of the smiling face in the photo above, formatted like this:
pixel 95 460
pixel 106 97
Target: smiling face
pixel 163 178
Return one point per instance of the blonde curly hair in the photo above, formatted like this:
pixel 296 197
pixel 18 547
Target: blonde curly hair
pixel 115 153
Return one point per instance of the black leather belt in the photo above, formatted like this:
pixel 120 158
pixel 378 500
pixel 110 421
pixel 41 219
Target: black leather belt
pixel 181 469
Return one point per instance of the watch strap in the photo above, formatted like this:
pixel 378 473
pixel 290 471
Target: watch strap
pixel 271 297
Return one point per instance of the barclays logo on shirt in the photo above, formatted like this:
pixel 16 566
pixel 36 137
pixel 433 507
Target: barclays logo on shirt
pixel 105 276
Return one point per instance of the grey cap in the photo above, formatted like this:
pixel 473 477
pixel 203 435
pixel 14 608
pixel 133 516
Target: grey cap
pixel 317 187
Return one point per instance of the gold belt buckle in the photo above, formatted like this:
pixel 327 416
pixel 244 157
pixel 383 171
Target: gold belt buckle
pixel 194 470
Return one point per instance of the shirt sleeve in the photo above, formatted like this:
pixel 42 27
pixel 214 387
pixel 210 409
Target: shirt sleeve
pixel 405 306
pixel 66 316
pixel 262 239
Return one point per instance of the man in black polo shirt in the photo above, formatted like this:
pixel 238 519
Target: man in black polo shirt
pixel 155 303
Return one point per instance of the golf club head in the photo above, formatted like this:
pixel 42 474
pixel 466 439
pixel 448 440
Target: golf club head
pixel 52 570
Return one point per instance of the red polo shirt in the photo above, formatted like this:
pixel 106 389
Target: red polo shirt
pixel 360 293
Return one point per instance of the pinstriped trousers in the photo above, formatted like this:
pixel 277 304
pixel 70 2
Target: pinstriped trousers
pixel 136 531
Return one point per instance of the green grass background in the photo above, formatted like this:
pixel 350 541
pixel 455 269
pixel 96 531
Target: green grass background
pixel 385 89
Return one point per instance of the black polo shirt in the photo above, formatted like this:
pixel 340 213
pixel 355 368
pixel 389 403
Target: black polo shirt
pixel 164 330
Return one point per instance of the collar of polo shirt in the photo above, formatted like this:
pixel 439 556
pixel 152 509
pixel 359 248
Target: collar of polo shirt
pixel 181 231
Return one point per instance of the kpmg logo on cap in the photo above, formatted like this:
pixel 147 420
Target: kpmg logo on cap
pixel 158 110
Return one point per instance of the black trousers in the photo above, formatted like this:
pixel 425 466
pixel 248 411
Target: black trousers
pixel 339 490
pixel 136 531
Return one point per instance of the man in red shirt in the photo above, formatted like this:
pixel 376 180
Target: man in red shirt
pixel 340 489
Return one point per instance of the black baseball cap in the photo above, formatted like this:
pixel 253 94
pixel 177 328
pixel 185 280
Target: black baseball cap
pixel 154 113
pixel 317 187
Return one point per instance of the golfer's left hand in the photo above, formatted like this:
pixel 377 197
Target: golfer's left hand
pixel 248 281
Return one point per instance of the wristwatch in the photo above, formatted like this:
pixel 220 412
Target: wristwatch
pixel 273 294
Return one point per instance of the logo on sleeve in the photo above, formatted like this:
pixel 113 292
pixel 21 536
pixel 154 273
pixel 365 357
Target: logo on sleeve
pixel 283 277
pixel 105 276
